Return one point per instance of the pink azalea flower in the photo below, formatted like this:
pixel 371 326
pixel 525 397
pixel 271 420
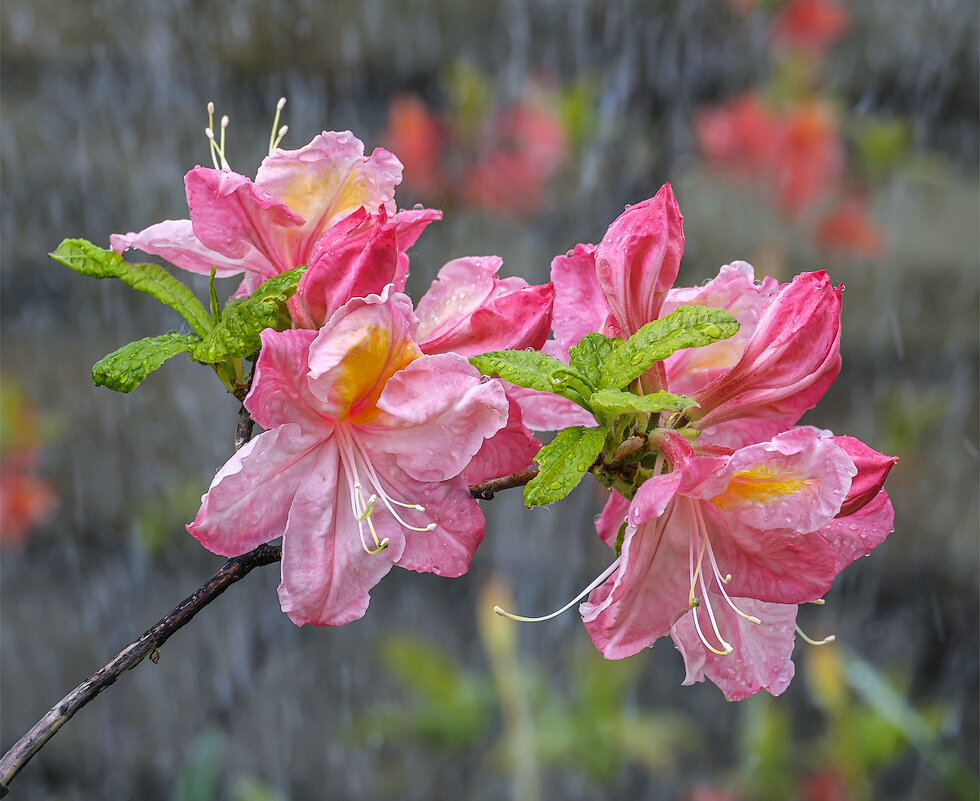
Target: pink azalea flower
pixel 360 465
pixel 788 473
pixel 724 548
pixel 468 310
pixel 268 226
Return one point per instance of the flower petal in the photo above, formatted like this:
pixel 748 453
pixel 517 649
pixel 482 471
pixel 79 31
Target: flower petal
pixel 734 290
pixel 640 601
pixel 174 241
pixel 249 498
pixel 762 655
pixel 857 534
pixel 789 362
pixel 437 412
pixel 580 307
pixel 509 451
pixel 329 179
pixel 361 346
pixel 280 392
pixel 872 470
pixel 638 259
pixel 326 574
pixel 233 216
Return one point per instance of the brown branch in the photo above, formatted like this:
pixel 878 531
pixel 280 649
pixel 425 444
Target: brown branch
pixel 148 645
pixel 232 571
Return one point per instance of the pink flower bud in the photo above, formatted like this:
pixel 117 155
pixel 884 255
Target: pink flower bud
pixel 638 259
pixel 788 364
pixel 873 469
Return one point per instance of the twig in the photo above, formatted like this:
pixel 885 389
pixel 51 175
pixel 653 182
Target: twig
pixel 485 489
pixel 233 570
pixel 148 645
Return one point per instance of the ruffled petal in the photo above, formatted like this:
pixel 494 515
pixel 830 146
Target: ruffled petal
pixel 174 241
pixel 543 411
pixel 361 346
pixel 509 451
pixel 734 290
pixel 762 655
pixel 326 574
pixel 233 216
pixel 640 601
pixel 798 480
pixel 437 412
pixel 329 179
pixel 789 362
pixel 612 517
pixel 280 392
pixel 249 498
pixel 857 534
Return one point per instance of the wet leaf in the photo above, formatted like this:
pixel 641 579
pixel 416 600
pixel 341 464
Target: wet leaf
pixel 123 370
pixel 563 462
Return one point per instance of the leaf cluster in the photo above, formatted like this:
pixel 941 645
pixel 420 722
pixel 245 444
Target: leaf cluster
pixel 602 376
pixel 221 338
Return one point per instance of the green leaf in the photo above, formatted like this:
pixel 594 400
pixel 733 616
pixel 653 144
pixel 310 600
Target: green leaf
pixel 611 402
pixel 590 354
pixel 688 327
pixel 151 279
pixel 123 370
pixel 236 334
pixel 563 462
pixel 535 370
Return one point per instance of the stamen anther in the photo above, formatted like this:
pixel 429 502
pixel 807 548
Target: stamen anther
pixel 811 641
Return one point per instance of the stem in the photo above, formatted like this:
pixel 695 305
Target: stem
pixel 149 643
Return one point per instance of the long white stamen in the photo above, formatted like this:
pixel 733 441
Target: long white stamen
pixel 602 577
pixel 811 641
pixel 722 581
pixel 273 139
pixel 373 476
pixel 711 616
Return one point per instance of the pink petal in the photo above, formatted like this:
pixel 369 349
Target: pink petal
pixel 361 346
pixel 329 179
pixel 612 517
pixel 580 307
pixel 437 412
pixel 638 259
pixel 174 241
pixel 355 258
pixel 233 216
pixel 542 411
pixel 872 470
pixel 509 451
pixel 326 574
pixel 797 481
pixel 762 655
pixel 789 362
pixel 250 496
pixel 447 549
pixel 280 393
pixel 460 288
pixel 641 600
pixel 857 534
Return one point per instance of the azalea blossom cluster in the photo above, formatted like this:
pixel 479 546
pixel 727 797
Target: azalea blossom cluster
pixel 378 414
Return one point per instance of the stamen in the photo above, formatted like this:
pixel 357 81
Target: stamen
pixel 367 509
pixel 274 140
pixel 704 641
pixel 602 577
pixel 216 149
pixel 373 476
pixel 711 616
pixel 818 602
pixel 811 641
pixel 714 566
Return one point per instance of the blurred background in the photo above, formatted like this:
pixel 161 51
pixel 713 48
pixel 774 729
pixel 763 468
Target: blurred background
pixel 798 135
